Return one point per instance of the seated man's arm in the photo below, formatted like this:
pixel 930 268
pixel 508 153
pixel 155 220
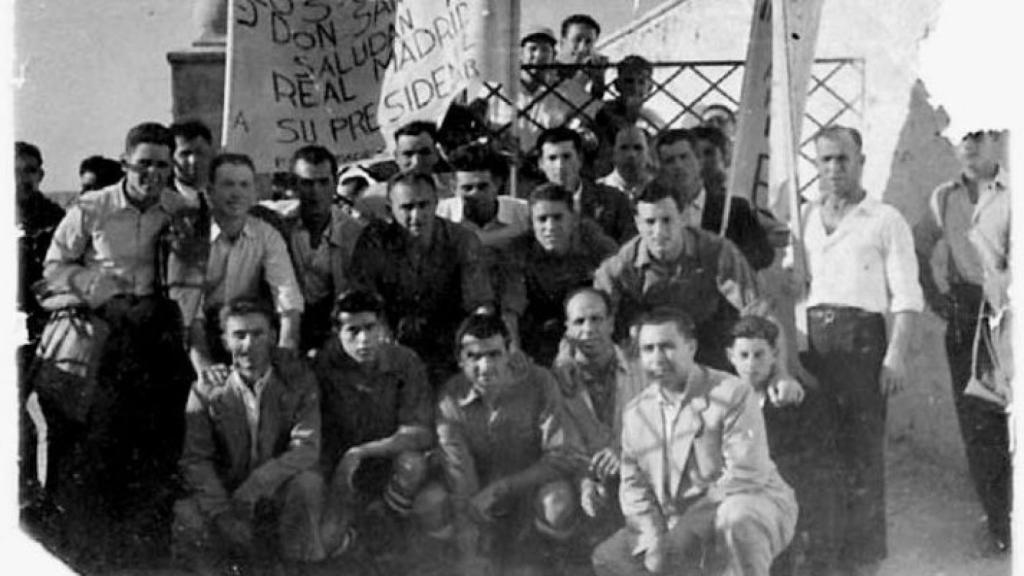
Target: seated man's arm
pixel 460 472
pixel 197 458
pixel 415 415
pixel 64 269
pixel 303 444
pixel 280 276
pixel 637 498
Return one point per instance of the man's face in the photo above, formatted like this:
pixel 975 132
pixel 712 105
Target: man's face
pixel 979 157
pixel 413 207
pixel 560 163
pixel 537 51
pixel 192 160
pixel 552 225
pixel 315 186
pixel 753 359
pixel 485 362
pixel 630 153
pixel 588 324
pixel 361 335
pixel 661 227
pixel 712 162
pixel 479 195
pixel 634 85
pixel 840 164
pixel 249 338
pixel 666 356
pixel 416 153
pixel 578 43
pixel 148 170
pixel 28 173
pixel 232 192
pixel 721 120
pixel 680 166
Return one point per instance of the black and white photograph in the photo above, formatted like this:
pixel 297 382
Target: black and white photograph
pixel 511 287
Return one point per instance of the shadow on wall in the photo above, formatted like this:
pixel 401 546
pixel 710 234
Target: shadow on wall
pixel 923 414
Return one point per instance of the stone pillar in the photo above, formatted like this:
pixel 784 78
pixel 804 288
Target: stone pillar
pixel 197 72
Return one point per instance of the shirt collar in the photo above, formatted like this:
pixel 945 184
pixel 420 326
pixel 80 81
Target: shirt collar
pixel 261 383
pixel 215 229
pixel 698 201
pixel 694 395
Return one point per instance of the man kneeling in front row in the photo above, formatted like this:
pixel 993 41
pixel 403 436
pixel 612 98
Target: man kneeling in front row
pixel 698 488
pixel 251 445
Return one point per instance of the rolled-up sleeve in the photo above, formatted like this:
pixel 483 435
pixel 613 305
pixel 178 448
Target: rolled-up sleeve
pixel 901 269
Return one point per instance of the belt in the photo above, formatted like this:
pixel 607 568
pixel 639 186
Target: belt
pixel 827 314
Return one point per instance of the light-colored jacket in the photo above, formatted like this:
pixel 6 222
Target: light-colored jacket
pixel 721 426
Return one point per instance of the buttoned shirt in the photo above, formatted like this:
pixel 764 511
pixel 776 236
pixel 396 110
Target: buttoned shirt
pixel 486 437
pixel 324 271
pixel 512 218
pixel 365 403
pixel 867 262
pixel 251 398
pixel 103 233
pixel 236 267
pixel 615 180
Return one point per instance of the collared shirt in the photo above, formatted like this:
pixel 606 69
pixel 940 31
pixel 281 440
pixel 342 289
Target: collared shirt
pixel 539 281
pixel 615 180
pixel 251 398
pixel 323 271
pixel 361 404
pixel 484 438
pixel 512 218
pixel 694 213
pixel 237 266
pixel 867 262
pixel 105 234
pixel 427 289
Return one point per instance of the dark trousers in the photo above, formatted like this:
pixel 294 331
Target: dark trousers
pixel 113 475
pixel 847 346
pixel 983 425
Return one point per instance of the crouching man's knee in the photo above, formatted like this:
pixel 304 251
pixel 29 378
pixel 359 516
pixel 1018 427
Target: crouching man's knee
pixel 556 509
pixel 433 511
pixel 299 521
pixel 191 537
pixel 408 475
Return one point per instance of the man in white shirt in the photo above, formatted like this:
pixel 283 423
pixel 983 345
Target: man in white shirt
pixel 861 264
pixel 632 160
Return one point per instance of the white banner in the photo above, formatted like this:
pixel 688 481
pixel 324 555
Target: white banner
pixel 345 73
pixel 748 174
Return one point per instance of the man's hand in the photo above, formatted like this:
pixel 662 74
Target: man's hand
pixel 655 556
pixel 785 392
pixel 893 376
pixel 593 497
pixel 214 375
pixel 605 463
pixel 483 504
pixel 349 464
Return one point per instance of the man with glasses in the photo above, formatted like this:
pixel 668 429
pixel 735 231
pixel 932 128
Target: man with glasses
pixel 112 458
pixel 321 241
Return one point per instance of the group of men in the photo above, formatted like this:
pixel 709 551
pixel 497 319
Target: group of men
pixel 586 372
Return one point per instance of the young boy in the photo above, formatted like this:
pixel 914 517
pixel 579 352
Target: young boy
pixel 801 442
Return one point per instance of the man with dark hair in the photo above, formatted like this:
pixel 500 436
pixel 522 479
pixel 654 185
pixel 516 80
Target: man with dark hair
pixel 249 461
pixel 559 255
pixel 861 265
pixel 110 472
pixel 633 86
pixel 377 418
pixel 37 219
pixel 321 241
pixel 426 268
pixel 577 46
pixel 698 484
pixel 967 218
pixel 97 172
pixel 247 259
pixel 712 148
pixel 502 450
pixel 672 264
pixel 561 161
pixel 681 169
pixel 193 150
pixel 478 204
pixel 631 160
pixel 416 150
